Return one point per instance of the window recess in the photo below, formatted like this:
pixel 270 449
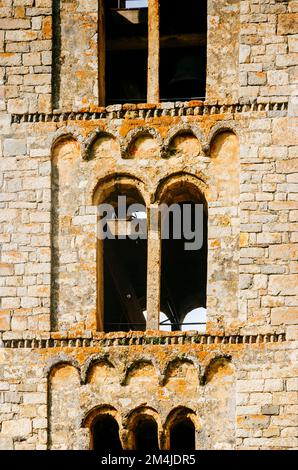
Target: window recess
pixel 152 50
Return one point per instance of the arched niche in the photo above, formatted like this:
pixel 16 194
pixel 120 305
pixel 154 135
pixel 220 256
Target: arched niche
pixel 103 146
pixel 64 407
pixel 224 229
pixel 66 197
pixel 142 376
pixel 101 374
pixel 144 146
pixel 181 377
pixel 224 167
pixel 220 399
pixel 184 144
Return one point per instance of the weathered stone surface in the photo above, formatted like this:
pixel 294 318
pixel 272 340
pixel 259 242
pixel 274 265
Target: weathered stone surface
pixel 238 149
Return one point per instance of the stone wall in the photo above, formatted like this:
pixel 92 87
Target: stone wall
pixel 25 55
pixel 37 193
pixel 243 396
pixel 239 152
pixel 268 48
pixel 75 54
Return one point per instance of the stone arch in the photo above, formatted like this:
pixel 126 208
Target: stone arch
pixel 101 137
pixel 170 185
pixel 132 420
pixel 220 397
pixel 184 194
pixel 143 142
pixel 224 230
pixel 176 416
pixel 183 128
pixel 172 369
pixel 212 367
pixel 184 140
pixel 110 184
pixel 66 133
pixel 140 366
pixel 219 128
pixel 65 198
pixel 92 362
pixel 61 360
pixel 99 411
pixel 64 406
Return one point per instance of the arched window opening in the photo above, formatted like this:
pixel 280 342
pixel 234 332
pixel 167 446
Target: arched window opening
pixel 184 270
pixel 105 434
pixel 183 40
pixel 182 436
pixel 125 269
pixel 126 50
pixel 146 435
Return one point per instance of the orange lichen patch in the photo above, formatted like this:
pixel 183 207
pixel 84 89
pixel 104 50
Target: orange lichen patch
pixel 215 244
pixel 257 420
pixel 5 315
pixel 243 239
pixel 223 220
pixel 47 27
pixel 19 11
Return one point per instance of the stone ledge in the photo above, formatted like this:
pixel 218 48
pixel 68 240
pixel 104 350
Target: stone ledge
pixel 56 340
pixel 144 111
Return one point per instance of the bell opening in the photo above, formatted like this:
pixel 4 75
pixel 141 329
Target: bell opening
pixel 183 51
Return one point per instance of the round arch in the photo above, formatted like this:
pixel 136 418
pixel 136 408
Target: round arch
pixel 180 429
pixel 143 429
pixel 104 424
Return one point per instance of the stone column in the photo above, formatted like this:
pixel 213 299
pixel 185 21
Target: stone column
pixel 153 269
pixel 153 52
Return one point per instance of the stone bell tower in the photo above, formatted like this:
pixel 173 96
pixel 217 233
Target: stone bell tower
pixel 141 344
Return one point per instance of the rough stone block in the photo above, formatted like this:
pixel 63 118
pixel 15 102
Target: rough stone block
pixel 287 23
pixel 283 284
pixel 17 427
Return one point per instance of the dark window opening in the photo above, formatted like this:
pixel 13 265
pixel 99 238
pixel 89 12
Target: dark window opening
pixel 182 436
pixel 126 51
pixel 183 51
pixel 125 279
pixel 146 438
pixel 183 276
pixel 105 432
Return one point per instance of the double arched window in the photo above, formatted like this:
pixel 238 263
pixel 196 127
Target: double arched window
pixel 151 50
pixel 157 278
pixel 143 431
